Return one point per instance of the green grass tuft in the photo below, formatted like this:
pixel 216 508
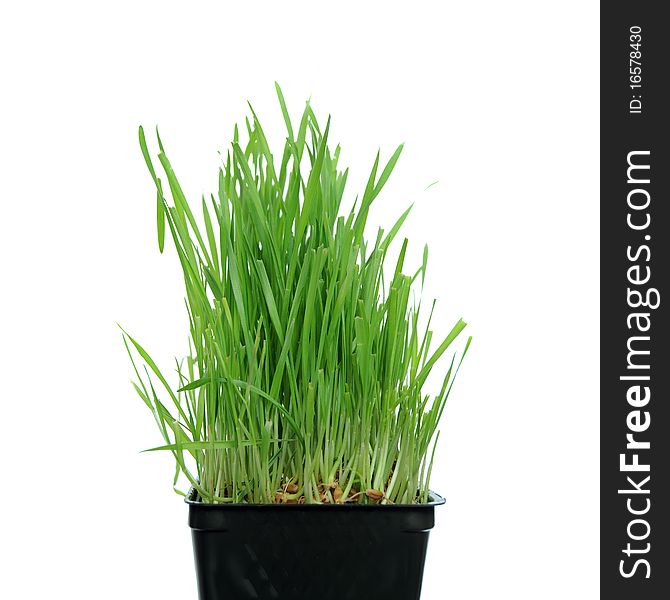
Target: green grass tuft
pixel 304 378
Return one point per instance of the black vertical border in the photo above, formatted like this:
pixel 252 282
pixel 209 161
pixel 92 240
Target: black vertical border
pixel 621 133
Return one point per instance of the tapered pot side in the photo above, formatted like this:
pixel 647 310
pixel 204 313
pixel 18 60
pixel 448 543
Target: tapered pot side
pixel 305 551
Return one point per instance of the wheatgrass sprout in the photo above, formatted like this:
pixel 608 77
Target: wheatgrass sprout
pixel 304 378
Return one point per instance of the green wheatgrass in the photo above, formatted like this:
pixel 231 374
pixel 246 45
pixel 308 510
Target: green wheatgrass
pixel 305 368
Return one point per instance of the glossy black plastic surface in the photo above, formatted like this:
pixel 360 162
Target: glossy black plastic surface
pixel 310 552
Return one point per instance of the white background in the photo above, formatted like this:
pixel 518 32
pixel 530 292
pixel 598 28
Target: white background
pixel 496 100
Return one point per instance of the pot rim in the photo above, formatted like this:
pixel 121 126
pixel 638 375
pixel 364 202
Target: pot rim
pixel 434 500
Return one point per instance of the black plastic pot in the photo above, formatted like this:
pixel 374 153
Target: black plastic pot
pixel 310 551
